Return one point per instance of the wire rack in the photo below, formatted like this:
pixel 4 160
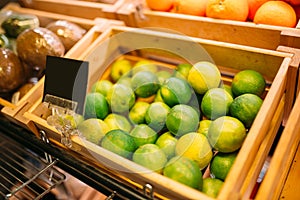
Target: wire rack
pixel 24 174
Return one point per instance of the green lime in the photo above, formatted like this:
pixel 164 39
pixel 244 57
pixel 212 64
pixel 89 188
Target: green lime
pixel 167 143
pixel 216 103
pixel 204 76
pixel 93 129
pixel 125 80
pixel 182 119
pixel 119 68
pixel 185 171
pixel 151 157
pixel 117 121
pixel 145 84
pixel 204 126
pixel 119 142
pixel 156 115
pixel 102 86
pixel 226 134
pixel 196 147
pixel 228 89
pixel 96 106
pixel 221 164
pixel 212 187
pixel 175 91
pixel 143 134
pixel 183 70
pixel 138 111
pixel 144 65
pixel 163 76
pixel 248 81
pixel 245 108
pixel 158 97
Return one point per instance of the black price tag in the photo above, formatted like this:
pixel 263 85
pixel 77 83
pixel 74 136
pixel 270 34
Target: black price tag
pixel 66 83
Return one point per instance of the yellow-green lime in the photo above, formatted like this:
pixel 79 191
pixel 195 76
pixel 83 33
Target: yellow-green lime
pixel 151 157
pixel 228 89
pixel 221 164
pixel 204 126
pixel 119 142
pixel 185 171
pixel 182 119
pixel 245 107
pixel 212 187
pixel 167 143
pixel 117 121
pixel 158 97
pixel 143 134
pixel 216 103
pixel 144 65
pixel 102 86
pixel 145 84
pixel 96 106
pixel 203 76
pixel 93 129
pixel 196 147
pixel 248 81
pixel 175 91
pixel 119 68
pixel 120 98
pixel 183 69
pixel 156 115
pixel 163 75
pixel 125 80
pixel 226 134
pixel 138 111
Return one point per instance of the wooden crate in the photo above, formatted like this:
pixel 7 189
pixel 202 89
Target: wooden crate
pixel 88 9
pixel 14 112
pixel 230 58
pixel 245 33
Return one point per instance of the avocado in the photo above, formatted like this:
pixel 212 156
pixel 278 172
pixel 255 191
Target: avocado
pixel 11 71
pixel 33 45
pixel 67 31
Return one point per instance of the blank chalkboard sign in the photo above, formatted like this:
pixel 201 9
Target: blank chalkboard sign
pixel 66 83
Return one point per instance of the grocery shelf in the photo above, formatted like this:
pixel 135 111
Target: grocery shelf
pixel 91 175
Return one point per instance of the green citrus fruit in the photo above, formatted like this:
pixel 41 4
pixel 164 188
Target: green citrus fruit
pixel 245 108
pixel 216 103
pixel 196 147
pixel 125 80
pixel 226 134
pixel 175 91
pixel 212 187
pixel 163 76
pixel 156 115
pixel 143 134
pixel 182 119
pixel 119 68
pixel 120 98
pixel 167 143
pixel 119 142
pixel 248 81
pixel 204 76
pixel 185 171
pixel 96 106
pixel 204 126
pixel 93 129
pixel 102 86
pixel 138 111
pixel 117 121
pixel 183 70
pixel 158 97
pixel 151 157
pixel 221 164
pixel 144 65
pixel 145 84
pixel 228 89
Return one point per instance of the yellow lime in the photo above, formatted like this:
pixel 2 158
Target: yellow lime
pixel 102 86
pixel 145 84
pixel 167 143
pixel 117 121
pixel 185 171
pixel 119 68
pixel 245 108
pixel 212 187
pixel 216 103
pixel 119 142
pixel 196 147
pixel 226 134
pixel 248 81
pixel 204 76
pixel 138 111
pixel 156 115
pixel 204 126
pixel 158 97
pixel 143 134
pixel 96 106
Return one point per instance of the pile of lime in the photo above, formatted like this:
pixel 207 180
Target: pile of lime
pixel 178 122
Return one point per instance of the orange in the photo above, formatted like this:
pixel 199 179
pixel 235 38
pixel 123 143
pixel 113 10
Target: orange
pixel 277 13
pixel 162 5
pixel 253 6
pixel 228 9
pixel 293 2
pixel 190 7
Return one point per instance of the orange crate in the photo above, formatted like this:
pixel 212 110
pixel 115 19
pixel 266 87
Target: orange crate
pixel 230 58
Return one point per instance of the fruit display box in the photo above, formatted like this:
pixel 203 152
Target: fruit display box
pixel 275 66
pixel 283 159
pixel 14 112
pixel 88 9
pixel 137 14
